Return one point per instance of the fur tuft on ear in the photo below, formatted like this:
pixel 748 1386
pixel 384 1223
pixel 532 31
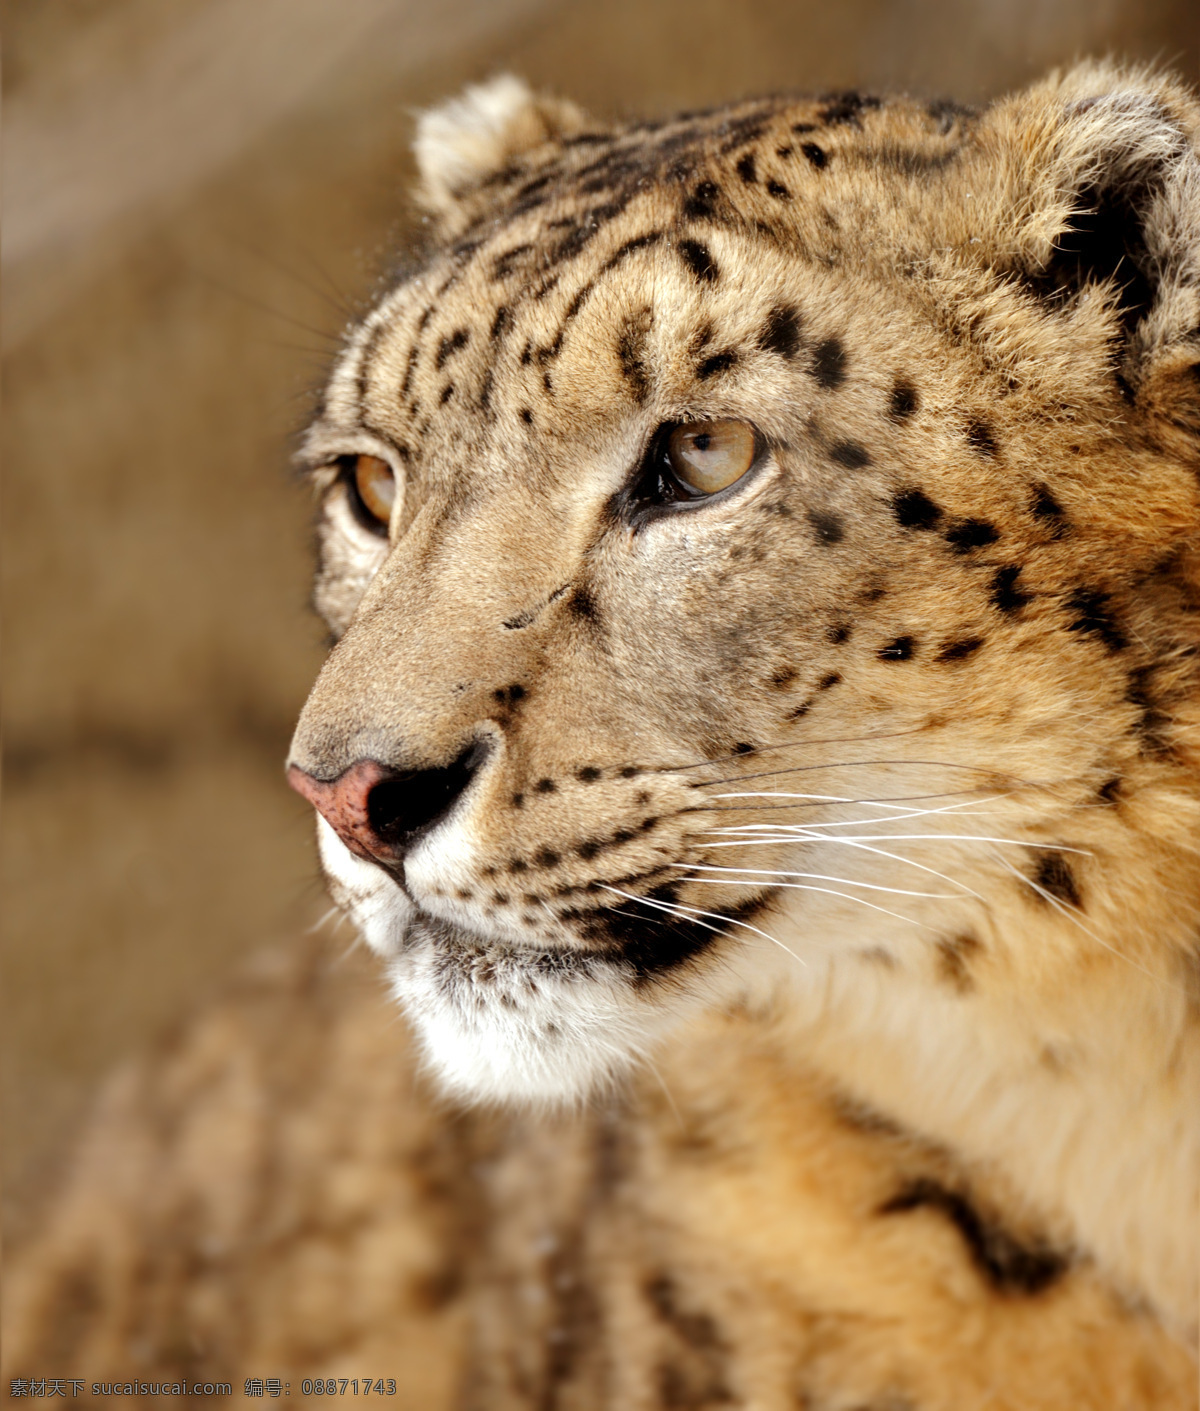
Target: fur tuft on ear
pixel 467 139
pixel 1101 196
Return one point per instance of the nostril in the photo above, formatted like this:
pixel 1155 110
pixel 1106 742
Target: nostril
pixel 401 806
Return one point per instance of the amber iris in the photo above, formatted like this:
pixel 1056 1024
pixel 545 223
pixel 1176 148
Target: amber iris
pixel 376 486
pixel 707 456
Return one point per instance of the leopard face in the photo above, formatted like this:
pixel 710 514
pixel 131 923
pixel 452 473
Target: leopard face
pixel 762 551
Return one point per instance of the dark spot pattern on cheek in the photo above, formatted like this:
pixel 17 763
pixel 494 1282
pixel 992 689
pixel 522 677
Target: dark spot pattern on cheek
pixel 903 401
pixel 915 510
pixel 838 634
pixel 1053 876
pixel 898 649
pixel 1005 595
pixel 1044 507
pixel 850 454
pixel 960 650
pixel 747 170
pixel 1094 618
pixel 829 364
pixel 817 156
pixel 969 534
pixel 981 439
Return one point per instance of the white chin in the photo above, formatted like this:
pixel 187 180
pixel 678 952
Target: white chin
pixel 516 1034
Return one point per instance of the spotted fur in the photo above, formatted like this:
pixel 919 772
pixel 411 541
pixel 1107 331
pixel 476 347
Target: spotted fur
pixel 833 847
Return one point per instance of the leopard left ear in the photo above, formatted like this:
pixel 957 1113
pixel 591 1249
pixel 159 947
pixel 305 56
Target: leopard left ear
pixel 468 139
pixel 1097 192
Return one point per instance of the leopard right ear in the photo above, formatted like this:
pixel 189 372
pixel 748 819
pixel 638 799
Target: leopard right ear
pixel 468 139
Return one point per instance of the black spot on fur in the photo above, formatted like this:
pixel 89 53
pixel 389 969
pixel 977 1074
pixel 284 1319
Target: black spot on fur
pixel 783 678
pixel 781 332
pixel 696 1376
pixel 588 774
pixel 954 956
pixel 450 345
pixel 526 416
pixel 830 679
pixel 504 264
pixel 1152 721
pixel 1045 507
pixel 582 604
pixel 778 190
pixel 447 393
pixel 547 857
pixel 630 771
pixel 899 649
pixel 518 865
pixel 829 363
pixel 630 353
pixel 747 170
pixel 518 801
pixel 970 534
pixel 1109 791
pixel 546 786
pixel 500 322
pixel 816 155
pixel 828 527
pixel 903 402
pixel 409 368
pixel 850 454
pixel 1006 596
pixel 1094 619
pixel 1052 874
pixel 701 203
pixel 838 634
pixel 699 260
pixel 719 362
pixel 846 108
pixel 630 247
pixel 743 748
pixel 915 510
pixel 1009 1266
pixel 960 650
pixel 980 438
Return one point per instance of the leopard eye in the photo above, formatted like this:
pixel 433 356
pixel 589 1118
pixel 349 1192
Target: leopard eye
pixel 707 456
pixel 374 488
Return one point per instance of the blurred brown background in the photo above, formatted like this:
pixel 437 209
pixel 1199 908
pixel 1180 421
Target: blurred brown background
pixel 198 193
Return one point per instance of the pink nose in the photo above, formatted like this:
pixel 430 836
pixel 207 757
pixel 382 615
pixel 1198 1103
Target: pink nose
pixel 379 811
pixel 344 804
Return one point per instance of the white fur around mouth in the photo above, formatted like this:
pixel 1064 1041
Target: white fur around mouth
pixel 502 1022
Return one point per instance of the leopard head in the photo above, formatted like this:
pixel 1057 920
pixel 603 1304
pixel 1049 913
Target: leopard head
pixel 762 553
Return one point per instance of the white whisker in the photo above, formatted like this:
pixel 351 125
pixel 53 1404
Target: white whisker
pixel 812 877
pixel 828 891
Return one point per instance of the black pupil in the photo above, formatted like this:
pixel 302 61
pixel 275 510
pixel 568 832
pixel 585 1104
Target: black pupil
pixel 702 440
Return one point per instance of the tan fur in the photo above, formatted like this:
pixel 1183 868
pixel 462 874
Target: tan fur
pixel 917 1121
